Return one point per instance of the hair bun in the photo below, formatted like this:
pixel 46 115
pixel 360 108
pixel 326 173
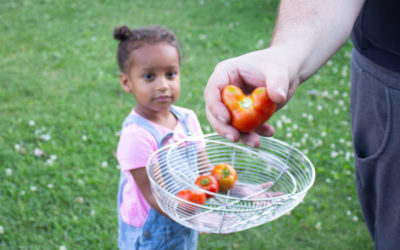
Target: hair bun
pixel 122 33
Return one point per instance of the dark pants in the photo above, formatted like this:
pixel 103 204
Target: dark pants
pixel 375 113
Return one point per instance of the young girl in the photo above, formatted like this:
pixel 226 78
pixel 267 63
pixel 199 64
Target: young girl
pixel 149 61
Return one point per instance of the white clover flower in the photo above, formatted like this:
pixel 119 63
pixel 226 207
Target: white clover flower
pixel 17 147
pixel 45 137
pixel 75 217
pixel 50 185
pixel 22 193
pixel 202 36
pixel 295 126
pixel 341 103
pixel 341 140
pixel 329 63
pixel 319 107
pixel 84 138
pixel 335 92
pixel 260 44
pixel 325 94
pixel 62 247
pixel 279 124
pixel 38 152
pixel 333 145
pixel 336 111
pixel 8 171
pixel 1 229
pixel 104 164
pixel 305 151
pixel 355 218
pixel 79 200
pixel 310 117
pixel 92 213
pixel 323 134
pixel 348 172
pixel 348 155
pixel 317 77
pixel 39 131
pixel 334 154
pixel 33 188
pixel 53 157
pixel 318 226
pixel 289 135
pixel 207 128
pixel 345 94
pixel 348 212
pixel 327 180
pixel 349 198
pixel 31 123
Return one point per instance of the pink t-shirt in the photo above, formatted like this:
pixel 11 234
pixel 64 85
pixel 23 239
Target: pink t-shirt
pixel 135 147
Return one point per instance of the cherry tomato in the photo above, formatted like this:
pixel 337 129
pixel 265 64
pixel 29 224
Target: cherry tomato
pixel 192 196
pixel 248 112
pixel 208 183
pixel 226 176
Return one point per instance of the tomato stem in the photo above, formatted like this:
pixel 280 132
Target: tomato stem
pixel 246 103
pixel 225 172
pixel 205 181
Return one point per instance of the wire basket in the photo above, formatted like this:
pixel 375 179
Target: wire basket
pixel 271 181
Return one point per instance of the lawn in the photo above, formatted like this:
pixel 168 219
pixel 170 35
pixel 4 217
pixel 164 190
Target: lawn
pixel 61 108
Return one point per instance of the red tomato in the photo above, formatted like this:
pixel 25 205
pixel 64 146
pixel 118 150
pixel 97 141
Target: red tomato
pixel 226 176
pixel 209 183
pixel 248 112
pixel 192 196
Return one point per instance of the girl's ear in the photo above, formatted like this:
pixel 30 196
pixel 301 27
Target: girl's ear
pixel 125 82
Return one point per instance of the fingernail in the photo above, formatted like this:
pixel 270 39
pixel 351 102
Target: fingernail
pixel 282 92
pixel 221 119
pixel 229 137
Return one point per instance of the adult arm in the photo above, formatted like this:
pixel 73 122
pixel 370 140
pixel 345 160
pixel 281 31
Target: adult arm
pixel 306 34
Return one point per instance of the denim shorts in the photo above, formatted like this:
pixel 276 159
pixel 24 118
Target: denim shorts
pixel 158 232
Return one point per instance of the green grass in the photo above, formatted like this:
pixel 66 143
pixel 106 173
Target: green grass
pixel 58 77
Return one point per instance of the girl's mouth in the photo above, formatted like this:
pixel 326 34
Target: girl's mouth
pixel 164 98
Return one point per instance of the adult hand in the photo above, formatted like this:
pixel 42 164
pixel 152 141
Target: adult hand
pixel 271 68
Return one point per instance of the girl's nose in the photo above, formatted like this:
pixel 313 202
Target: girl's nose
pixel 163 83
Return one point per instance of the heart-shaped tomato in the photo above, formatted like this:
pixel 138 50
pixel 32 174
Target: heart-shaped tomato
pixel 248 112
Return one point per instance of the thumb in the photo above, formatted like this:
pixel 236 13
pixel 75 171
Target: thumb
pixel 277 81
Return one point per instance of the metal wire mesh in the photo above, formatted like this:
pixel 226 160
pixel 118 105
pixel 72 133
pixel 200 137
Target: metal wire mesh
pixel 272 180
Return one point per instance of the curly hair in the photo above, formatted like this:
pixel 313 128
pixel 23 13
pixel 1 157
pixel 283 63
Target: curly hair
pixel 129 40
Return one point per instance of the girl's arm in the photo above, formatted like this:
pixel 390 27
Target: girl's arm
pixel 143 182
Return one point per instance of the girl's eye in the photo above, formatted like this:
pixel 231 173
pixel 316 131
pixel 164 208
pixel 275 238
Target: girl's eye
pixel 148 76
pixel 171 74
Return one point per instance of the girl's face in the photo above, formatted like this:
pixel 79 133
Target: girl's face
pixel 154 78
